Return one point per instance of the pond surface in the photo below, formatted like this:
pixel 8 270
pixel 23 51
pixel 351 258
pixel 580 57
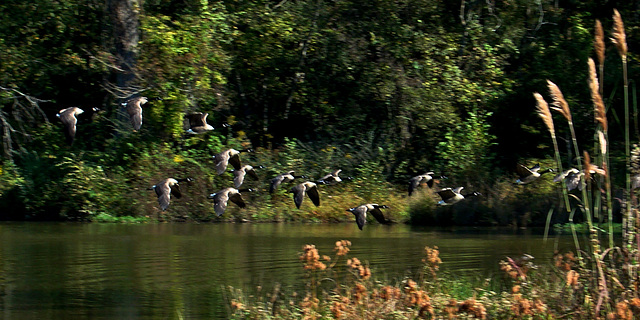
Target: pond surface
pixel 181 271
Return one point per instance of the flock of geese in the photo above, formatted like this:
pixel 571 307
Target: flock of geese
pixel 198 125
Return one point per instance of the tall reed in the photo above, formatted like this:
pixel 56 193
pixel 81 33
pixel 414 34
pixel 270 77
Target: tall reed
pixel 545 114
pixel 602 134
pixel 619 39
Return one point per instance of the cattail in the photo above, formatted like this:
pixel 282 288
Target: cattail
pixel 598 42
pixel 600 111
pixel 559 103
pixel 544 112
pixel 619 38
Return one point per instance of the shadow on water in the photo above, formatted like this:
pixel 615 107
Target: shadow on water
pixel 115 271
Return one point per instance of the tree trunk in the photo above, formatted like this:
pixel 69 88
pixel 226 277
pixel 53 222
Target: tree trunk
pixel 124 15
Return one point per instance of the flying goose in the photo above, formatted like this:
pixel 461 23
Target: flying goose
pixel 283 178
pixel 165 188
pixel 222 197
pixel 333 178
pixel 231 156
pixel 450 196
pixel 361 213
pixel 69 118
pixel 198 123
pixel 427 178
pixel 528 175
pixel 242 172
pixel 134 109
pixel 572 178
pixel 309 188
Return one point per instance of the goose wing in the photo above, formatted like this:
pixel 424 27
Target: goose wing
pixel 234 160
pixel 222 160
pixel 164 194
pixel 314 195
pixel 237 199
pixel 361 215
pixel 175 191
pixel 239 177
pixel 535 168
pixel 458 190
pixel 414 183
pixel 68 118
pixel 275 182
pixel 377 213
pixel 135 115
pixel 252 173
pixel 523 171
pixel 573 181
pixel 220 202
pixel 635 181
pixel 446 193
pixel 298 194
pixel 197 119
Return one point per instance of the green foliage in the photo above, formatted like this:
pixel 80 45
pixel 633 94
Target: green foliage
pixel 466 149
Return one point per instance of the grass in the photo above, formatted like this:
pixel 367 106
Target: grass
pixel 340 286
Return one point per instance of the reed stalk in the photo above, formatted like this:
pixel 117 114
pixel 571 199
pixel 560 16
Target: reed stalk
pixel 545 114
pixel 600 113
pixel 620 42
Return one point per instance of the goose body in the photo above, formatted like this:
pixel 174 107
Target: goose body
pixel 134 110
pixel 572 178
pixel 282 178
pixel 361 213
pixel 310 189
pixel 167 187
pixel 69 118
pixel 226 157
pixel 242 172
pixel 222 197
pixel 332 178
pixel 528 175
pixel 198 123
pixel 451 196
pixel 415 182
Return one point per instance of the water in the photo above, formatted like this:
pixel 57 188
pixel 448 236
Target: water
pixel 171 271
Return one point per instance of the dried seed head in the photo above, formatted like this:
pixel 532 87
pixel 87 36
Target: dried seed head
pixel 619 38
pixel 599 110
pixel 603 142
pixel 598 42
pixel 544 112
pixel 559 103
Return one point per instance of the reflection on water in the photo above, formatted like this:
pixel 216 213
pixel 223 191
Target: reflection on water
pixel 112 271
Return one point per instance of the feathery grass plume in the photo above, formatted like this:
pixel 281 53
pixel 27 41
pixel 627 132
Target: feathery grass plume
pixel 603 142
pixel 600 111
pixel 619 38
pixel 544 112
pixel 598 42
pixel 559 103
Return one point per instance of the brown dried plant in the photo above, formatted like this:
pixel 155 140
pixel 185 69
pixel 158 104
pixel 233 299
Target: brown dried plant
pixel 311 258
pixel 432 259
pixel 559 103
pixel 544 112
pixel 598 104
pixel 590 168
pixel 598 42
pixel 619 38
pixel 342 247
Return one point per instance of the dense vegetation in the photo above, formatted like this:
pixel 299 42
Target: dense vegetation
pixel 382 89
